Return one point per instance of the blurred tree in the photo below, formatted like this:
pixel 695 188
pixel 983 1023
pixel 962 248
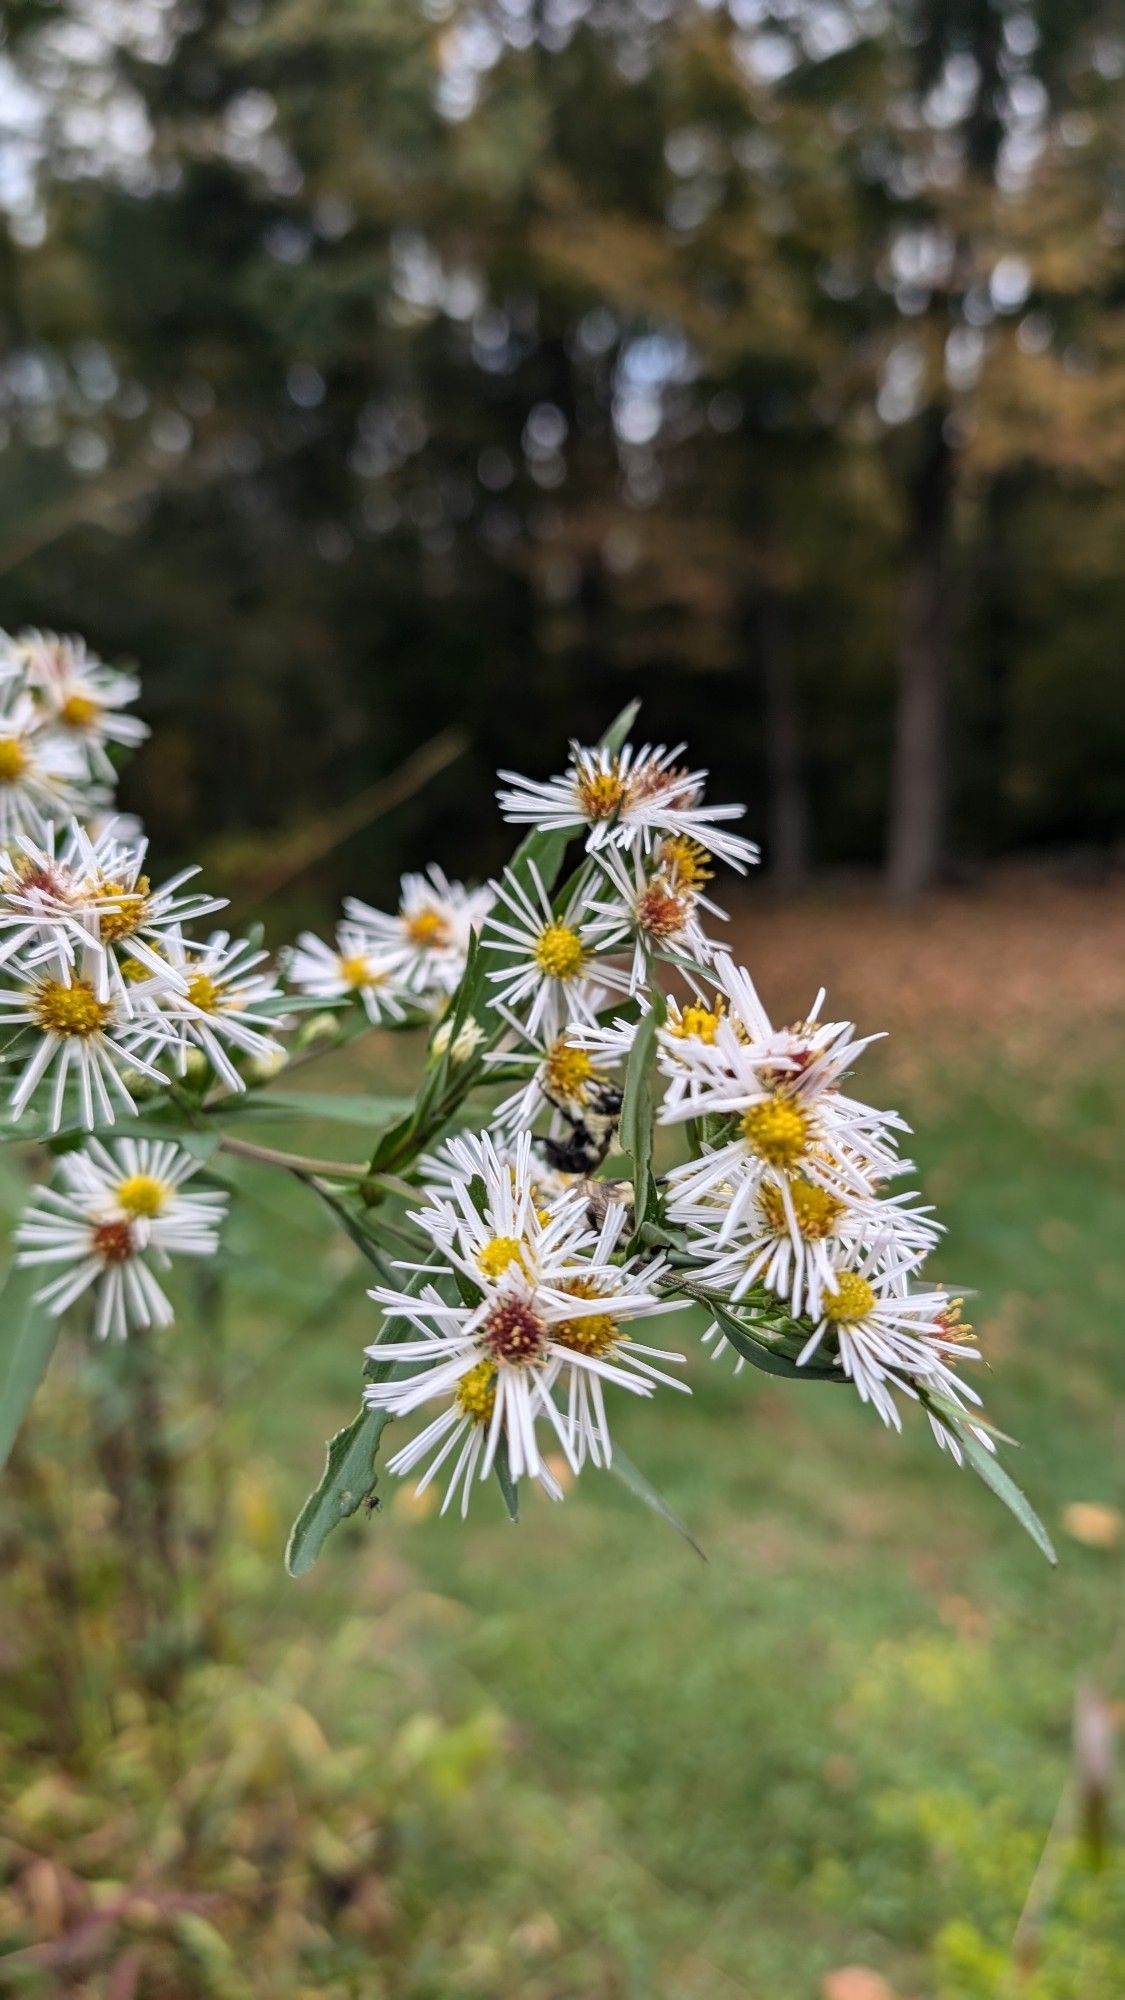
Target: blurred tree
pixel 368 367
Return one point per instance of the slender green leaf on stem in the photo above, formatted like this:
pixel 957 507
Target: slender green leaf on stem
pixel 348 1480
pixel 770 1359
pixel 637 1109
pixel 643 1490
pixel 619 728
pixel 509 1487
pixel 27 1342
pixel 1004 1486
pixel 353 1226
pixel 343 1110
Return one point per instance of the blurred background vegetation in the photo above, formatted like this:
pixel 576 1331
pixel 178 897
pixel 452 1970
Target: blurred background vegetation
pixel 375 370
pixel 373 365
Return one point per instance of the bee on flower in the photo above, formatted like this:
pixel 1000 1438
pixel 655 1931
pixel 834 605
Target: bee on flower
pixel 424 945
pixel 120 1212
pixel 351 969
pixel 81 699
pixel 565 1074
pixel 628 798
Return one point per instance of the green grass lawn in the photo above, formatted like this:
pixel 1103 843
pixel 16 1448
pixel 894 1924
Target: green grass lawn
pixel 569 1761
pixel 606 1770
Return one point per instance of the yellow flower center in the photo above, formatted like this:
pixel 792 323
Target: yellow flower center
pixel 776 1131
pixel 592 1333
pixel 567 1071
pixel 814 1208
pixel 69 1010
pixel 78 711
pixel 602 793
pixel 143 1194
pixel 686 860
pixel 205 993
pixel 495 1257
pixel 134 970
pixel 121 911
pixel 852 1299
pixel 427 928
pixel 559 952
pixel 475 1394
pixel 356 972
pixel 696 1022
pixel 14 760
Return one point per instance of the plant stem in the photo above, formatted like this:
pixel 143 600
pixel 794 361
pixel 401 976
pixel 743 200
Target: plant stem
pixel 294 1163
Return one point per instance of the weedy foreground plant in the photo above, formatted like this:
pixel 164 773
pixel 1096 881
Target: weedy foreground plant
pixel 520 1237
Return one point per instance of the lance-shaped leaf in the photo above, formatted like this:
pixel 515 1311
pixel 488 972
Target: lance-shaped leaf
pixel 989 1468
pixel 637 1109
pixel 348 1480
pixel 27 1341
pixel 762 1352
pixel 509 1487
pixel 351 1109
pixel 619 728
pixel 643 1490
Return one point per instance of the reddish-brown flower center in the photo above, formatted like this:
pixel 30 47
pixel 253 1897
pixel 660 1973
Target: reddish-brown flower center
pixel 112 1242
pixel 514 1333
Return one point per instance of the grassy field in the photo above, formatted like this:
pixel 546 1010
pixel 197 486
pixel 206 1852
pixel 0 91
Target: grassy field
pixel 570 1761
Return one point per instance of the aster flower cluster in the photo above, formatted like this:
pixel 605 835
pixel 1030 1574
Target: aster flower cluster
pixel 608 1128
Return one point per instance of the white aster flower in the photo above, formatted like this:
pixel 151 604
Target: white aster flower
pixel 121 1210
pixel 466 1423
pixel 91 1043
pixel 351 969
pixel 81 698
pixel 56 903
pixel 425 945
pixel 548 1304
pixel 793 1235
pixel 42 778
pixel 654 908
pixel 890 1340
pixel 776 1093
pixel 554 975
pixel 628 798
pixel 214 997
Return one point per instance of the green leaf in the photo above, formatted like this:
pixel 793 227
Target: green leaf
pixel 509 1487
pixel 371 1112
pixel 352 1226
pixel 348 1480
pixel 27 1342
pixel 637 1109
pixel 619 728
pixel 1004 1486
pixel 771 1360
pixel 643 1490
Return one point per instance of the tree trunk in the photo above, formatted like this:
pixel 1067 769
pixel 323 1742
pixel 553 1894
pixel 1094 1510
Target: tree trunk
pixel 918 796
pixel 788 816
